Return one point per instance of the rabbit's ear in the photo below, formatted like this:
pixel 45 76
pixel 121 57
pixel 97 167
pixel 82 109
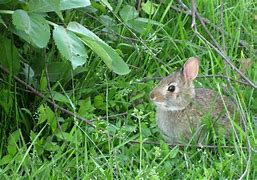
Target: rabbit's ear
pixel 191 68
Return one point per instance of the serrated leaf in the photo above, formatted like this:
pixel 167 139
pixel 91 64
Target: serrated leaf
pixel 46 5
pixel 9 55
pixel 128 12
pixel 70 46
pixel 33 28
pixel 107 53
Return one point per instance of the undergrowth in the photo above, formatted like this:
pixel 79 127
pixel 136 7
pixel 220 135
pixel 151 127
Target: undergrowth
pixel 38 141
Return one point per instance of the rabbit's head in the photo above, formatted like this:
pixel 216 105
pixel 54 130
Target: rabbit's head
pixel 176 91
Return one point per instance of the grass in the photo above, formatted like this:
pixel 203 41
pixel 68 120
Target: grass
pixel 39 148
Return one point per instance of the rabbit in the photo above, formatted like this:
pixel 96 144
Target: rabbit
pixel 180 108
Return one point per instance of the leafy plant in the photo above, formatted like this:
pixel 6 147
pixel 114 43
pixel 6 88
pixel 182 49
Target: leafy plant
pixel 31 25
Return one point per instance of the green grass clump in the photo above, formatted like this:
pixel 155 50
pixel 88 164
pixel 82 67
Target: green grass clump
pixel 39 142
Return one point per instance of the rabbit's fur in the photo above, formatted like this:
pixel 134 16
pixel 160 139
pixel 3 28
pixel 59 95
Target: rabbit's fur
pixel 180 107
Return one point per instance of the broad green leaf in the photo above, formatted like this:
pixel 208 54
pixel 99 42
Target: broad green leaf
pixel 55 4
pixel 21 20
pixel 128 12
pixel 70 46
pixel 35 29
pixel 47 5
pixel 107 53
pixel 9 55
pixel 149 7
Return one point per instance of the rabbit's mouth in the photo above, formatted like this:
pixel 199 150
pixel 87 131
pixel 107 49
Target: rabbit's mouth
pixel 169 107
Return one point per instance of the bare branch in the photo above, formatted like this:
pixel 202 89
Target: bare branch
pixel 193 25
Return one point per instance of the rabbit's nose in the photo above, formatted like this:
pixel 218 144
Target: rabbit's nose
pixel 156 96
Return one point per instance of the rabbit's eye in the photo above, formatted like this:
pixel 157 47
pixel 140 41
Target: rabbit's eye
pixel 171 88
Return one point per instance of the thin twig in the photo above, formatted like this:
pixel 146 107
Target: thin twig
pixel 193 25
pixel 49 101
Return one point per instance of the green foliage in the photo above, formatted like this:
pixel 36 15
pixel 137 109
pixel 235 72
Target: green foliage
pixel 109 56
pixel 128 13
pixel 56 5
pixel 70 46
pixel 149 7
pixel 32 26
pixel 9 55
pixel 39 141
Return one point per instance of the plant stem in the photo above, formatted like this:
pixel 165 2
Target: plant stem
pixel 6 12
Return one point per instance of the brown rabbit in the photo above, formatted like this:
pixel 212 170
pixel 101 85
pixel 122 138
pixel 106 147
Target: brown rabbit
pixel 180 107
